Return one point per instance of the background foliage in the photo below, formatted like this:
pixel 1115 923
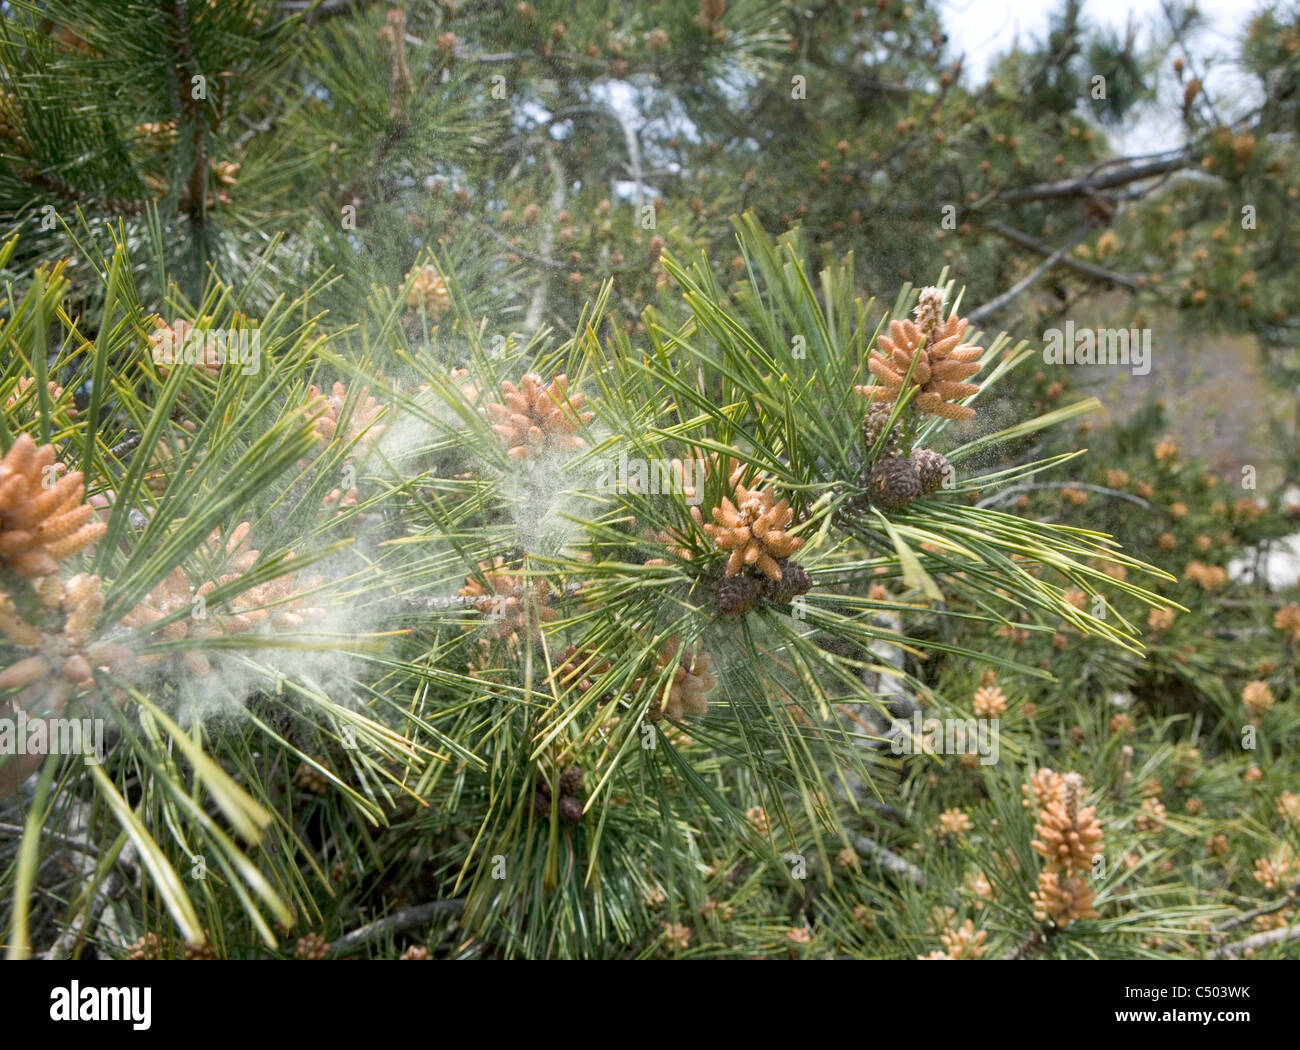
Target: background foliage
pixel 703 215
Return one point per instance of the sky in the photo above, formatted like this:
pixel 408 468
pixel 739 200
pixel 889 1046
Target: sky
pixel 985 28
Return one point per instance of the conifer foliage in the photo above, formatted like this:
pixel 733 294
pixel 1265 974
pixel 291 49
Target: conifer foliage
pixel 456 475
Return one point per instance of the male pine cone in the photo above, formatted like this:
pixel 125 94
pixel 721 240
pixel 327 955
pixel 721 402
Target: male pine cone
pixel 41 523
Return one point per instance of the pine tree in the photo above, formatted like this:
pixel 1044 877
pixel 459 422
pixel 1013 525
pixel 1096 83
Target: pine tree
pixel 459 459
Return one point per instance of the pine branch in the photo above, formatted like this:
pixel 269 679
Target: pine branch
pixel 1260 940
pixel 397 922
pixel 890 862
pixel 192 199
pixel 1089 185
pixel 990 308
pixel 537 306
pixel 1069 261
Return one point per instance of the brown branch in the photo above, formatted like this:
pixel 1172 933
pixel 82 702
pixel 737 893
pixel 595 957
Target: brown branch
pixel 395 923
pixel 1268 909
pixel 192 200
pixel 1068 261
pixel 1260 940
pixel 1020 287
pixel 60 187
pixel 1087 185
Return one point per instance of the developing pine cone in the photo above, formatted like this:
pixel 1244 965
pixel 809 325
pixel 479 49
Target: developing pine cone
pixel 754 530
pixel 63 659
pixel 735 595
pixel 1068 837
pixel 281 602
pixel 931 467
pixel 795 580
pixel 1063 899
pixel 893 483
pixel 327 410
pixel 39 524
pixel 570 791
pixel 25 395
pixel 688 685
pixel 874 425
pixel 943 361
pixel 534 418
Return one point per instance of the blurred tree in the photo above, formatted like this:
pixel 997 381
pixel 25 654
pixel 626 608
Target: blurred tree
pixel 543 146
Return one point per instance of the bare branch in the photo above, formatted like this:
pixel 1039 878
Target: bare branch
pixel 395 923
pixel 1020 287
pixel 1068 261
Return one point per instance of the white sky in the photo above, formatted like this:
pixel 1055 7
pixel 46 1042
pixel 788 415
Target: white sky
pixel 985 28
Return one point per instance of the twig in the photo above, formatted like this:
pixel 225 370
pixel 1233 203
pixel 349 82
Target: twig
pixel 14 831
pixel 891 862
pixel 1260 940
pixel 994 305
pixel 126 445
pixel 192 200
pixel 1068 261
pixel 317 11
pixel 395 923
pixel 1087 185
pixel 537 306
pixel 1267 909
pixel 102 909
pixel 1015 490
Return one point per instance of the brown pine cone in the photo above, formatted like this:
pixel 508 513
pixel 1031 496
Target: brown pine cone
pixel 541 804
pixel 873 426
pixel 893 483
pixel 931 467
pixel 795 580
pixel 570 810
pixel 734 595
pixel 571 781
